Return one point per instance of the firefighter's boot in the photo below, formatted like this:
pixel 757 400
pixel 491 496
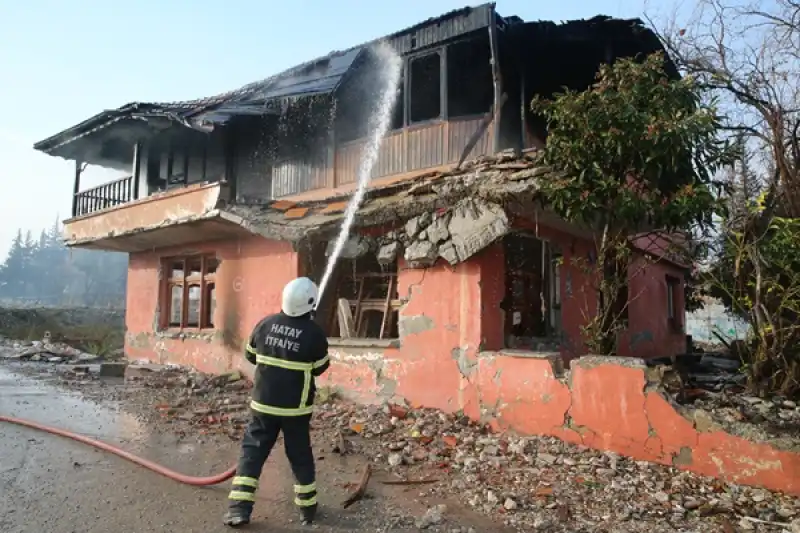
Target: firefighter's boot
pixel 237 516
pixel 309 514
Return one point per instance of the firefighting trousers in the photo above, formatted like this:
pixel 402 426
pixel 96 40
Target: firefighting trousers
pixel 258 441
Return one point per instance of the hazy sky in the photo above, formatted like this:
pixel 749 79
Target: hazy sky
pixel 64 61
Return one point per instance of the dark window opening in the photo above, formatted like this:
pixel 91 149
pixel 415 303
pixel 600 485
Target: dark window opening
pixel 425 88
pixel 398 117
pixel 189 295
pixel 673 311
pixel 364 301
pixel 622 300
pixel 177 167
pixel 155 179
pixel 469 78
pixel 532 301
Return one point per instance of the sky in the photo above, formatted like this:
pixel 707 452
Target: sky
pixel 62 62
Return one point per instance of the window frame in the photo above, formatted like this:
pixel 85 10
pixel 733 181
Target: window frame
pixel 204 278
pixel 408 88
pixel 390 304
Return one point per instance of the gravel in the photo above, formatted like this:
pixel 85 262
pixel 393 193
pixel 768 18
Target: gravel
pixel 522 483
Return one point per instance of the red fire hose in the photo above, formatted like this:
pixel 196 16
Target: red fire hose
pixel 157 468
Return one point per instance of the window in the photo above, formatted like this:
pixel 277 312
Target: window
pixel 370 292
pixel 398 113
pixel 532 302
pixel 177 167
pixel 425 102
pixel 673 311
pixel 470 90
pixel 190 292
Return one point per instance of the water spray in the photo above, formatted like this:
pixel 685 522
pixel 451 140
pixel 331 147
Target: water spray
pixel 380 119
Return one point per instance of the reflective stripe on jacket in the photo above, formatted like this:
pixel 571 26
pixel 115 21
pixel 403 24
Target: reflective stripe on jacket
pixel 288 353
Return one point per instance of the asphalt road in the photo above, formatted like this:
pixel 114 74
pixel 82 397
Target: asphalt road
pixel 51 484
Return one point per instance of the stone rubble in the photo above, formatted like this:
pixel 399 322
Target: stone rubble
pixel 43 351
pixel 543 484
pixel 526 483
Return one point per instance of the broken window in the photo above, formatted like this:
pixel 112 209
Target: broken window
pixel 532 299
pixel 469 78
pixel 190 292
pixel 425 92
pixel 366 303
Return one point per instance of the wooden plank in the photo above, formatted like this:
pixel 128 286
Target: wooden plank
pixel 345 316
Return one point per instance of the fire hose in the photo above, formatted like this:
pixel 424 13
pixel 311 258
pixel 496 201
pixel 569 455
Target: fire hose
pixel 155 467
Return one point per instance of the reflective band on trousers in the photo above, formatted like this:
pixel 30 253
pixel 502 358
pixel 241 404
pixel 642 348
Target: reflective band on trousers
pixel 305 489
pixel 305 503
pixel 245 482
pixel 281 411
pixel 306 368
pixel 241 496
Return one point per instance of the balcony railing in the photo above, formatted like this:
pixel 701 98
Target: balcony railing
pixel 104 196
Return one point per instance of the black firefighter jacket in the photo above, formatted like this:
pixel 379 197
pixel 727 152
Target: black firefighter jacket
pixel 289 352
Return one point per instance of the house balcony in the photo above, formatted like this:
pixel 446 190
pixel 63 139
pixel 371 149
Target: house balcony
pixel 105 196
pixel 109 217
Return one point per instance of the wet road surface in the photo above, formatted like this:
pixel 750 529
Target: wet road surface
pixel 51 484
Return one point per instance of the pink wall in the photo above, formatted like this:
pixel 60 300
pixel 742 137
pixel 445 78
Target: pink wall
pixel 249 281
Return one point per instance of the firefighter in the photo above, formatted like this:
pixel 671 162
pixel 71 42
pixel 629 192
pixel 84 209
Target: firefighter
pixel 289 350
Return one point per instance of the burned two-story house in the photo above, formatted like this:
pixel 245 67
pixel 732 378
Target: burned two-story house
pixel 450 261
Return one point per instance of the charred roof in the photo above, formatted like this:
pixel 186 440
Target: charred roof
pixel 107 137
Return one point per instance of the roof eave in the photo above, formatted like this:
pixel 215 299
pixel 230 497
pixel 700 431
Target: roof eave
pixel 58 139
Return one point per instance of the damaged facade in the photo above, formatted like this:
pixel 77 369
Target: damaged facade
pixel 454 264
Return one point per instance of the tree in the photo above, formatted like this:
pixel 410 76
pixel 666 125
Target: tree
pixel 747 53
pixel 46 272
pixel 637 152
pixel 14 268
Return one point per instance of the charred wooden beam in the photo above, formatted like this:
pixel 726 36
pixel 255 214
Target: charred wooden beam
pixel 76 187
pixel 487 119
pixel 497 82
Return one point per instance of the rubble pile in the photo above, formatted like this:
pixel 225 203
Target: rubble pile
pixel 712 387
pixel 539 483
pixel 775 420
pixel 527 483
pixel 193 402
pixel 43 351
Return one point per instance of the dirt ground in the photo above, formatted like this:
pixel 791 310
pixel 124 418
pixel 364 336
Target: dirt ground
pixel 55 485
pixel 431 471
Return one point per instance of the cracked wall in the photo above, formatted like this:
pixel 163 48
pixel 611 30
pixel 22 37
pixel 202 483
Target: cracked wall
pixel 249 282
pixel 450 359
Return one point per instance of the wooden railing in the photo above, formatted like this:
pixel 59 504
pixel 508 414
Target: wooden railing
pixel 413 149
pixel 401 152
pixel 111 194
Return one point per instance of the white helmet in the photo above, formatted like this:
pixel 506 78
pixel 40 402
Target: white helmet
pixel 299 297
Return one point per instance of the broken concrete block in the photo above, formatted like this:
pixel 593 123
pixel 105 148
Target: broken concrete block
pixel 421 254
pixel 354 247
pixel 387 254
pixel 448 252
pixel 437 231
pixel 113 370
pixel 475 225
pixel 412 228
